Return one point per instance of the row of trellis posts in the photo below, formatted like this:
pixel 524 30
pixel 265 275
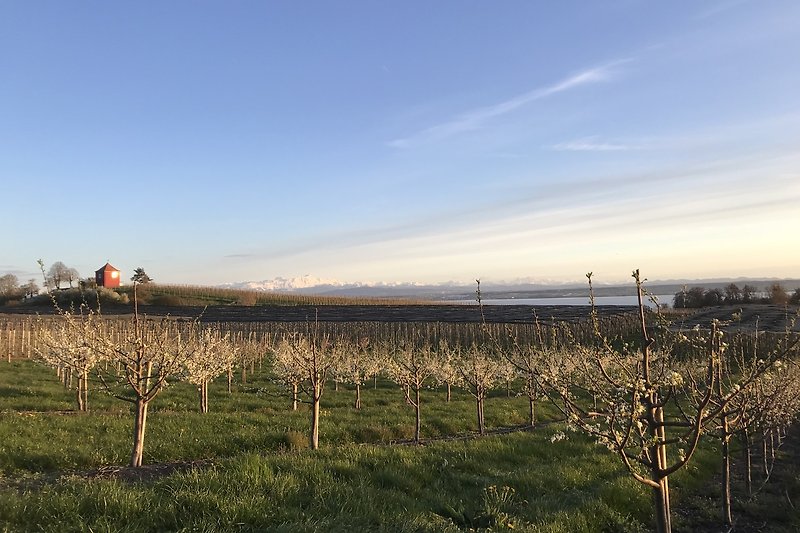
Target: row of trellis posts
pixel 18 338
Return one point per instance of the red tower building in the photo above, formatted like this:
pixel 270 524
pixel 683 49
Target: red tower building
pixel 107 276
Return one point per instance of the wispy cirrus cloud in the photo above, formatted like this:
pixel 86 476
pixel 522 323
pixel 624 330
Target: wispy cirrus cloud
pixel 593 144
pixel 475 118
pixel 719 8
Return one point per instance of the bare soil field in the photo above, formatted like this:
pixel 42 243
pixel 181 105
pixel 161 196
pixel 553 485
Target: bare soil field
pixel 761 317
pixel 505 314
pixel 772 318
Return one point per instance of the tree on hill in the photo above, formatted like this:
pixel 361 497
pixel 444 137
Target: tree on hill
pixel 71 275
pixel 713 297
pixel 777 294
pixel 58 274
pixel 9 284
pixel 795 298
pixel 748 293
pixel 733 294
pixel 140 276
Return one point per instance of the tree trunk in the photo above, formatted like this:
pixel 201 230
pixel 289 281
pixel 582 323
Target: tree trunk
pixel 418 426
pixel 449 395
pixel 86 391
pixel 294 396
pixel 139 426
pixel 726 473
pixel 748 462
pixel 230 379
pixel 79 395
pixel 203 389
pixel 314 437
pixel 358 396
pixel 658 452
pixel 532 411
pixel 479 401
pixel 661 506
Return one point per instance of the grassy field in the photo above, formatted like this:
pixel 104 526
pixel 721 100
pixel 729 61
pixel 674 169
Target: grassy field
pixel 245 466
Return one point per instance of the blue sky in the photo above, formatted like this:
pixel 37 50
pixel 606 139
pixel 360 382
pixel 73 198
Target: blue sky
pixel 214 142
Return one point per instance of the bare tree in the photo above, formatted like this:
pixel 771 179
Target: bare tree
pixel 312 355
pixel 357 364
pixel 411 366
pixel 446 370
pixel 68 345
pixel 648 400
pixel 733 294
pixel 622 401
pixel 530 361
pixel 479 367
pixel 58 274
pixel 9 284
pixel 212 356
pixel 745 369
pixel 778 294
pixel 71 275
pixel 148 352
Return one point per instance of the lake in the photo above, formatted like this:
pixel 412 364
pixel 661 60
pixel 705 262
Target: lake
pixel 581 300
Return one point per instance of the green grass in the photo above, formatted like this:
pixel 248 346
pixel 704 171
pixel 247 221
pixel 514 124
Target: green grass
pixel 259 475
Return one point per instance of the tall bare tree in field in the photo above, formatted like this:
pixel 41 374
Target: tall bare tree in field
pixel 60 273
pixel 531 360
pixel 748 366
pixel 312 355
pixel 148 352
pixel 645 397
pixel 446 370
pixel 144 352
pixel 211 356
pixel 621 398
pixel 287 370
pixel 357 364
pixel 68 344
pixel 411 367
pixel 478 366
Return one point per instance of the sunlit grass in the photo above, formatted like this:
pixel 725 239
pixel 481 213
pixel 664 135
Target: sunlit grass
pixel 254 472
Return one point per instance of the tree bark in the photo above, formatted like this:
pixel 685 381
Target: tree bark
pixel 661 505
pixel 79 395
pixel 479 401
pixel 418 426
pixel 726 473
pixel 314 437
pixel 203 389
pixel 748 463
pixel 140 423
pixel 357 404
pixel 532 411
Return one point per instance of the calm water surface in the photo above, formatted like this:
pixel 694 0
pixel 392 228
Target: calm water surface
pixel 583 300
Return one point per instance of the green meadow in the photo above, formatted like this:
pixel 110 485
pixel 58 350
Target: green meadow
pixel 246 466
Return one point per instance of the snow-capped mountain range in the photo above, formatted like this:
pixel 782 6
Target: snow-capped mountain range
pixel 308 284
pixel 453 290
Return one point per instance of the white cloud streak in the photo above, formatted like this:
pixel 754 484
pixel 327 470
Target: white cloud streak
pixel 592 144
pixel 474 119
